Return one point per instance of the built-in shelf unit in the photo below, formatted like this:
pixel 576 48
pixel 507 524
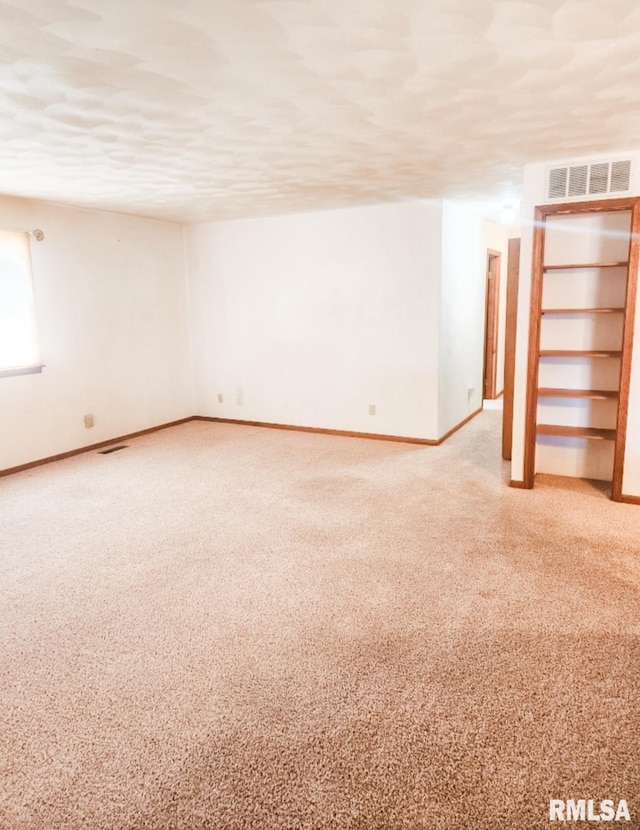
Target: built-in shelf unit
pixel 583 296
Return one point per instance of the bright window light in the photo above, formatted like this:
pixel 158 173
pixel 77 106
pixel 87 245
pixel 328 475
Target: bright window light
pixel 19 347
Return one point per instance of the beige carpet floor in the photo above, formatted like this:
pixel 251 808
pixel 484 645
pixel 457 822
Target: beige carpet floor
pixel 232 627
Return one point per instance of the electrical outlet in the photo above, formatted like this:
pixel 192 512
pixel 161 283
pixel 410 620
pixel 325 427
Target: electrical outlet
pixel 220 398
pixel 88 421
pixel 471 390
pixel 372 409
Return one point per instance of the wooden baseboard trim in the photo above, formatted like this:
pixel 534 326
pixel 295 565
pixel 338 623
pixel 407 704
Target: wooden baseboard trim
pixel 404 439
pixel 630 499
pixel 320 430
pixel 517 484
pixel 62 455
pixel 463 423
pixel 429 442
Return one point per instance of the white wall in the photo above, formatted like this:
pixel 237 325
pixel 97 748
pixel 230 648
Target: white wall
pixel 308 319
pixel 304 320
pixel 466 237
pixel 534 194
pixel 112 313
pixel 462 315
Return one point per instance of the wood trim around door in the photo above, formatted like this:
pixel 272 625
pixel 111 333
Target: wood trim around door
pixel 492 314
pixel 513 272
pixel 627 349
pixel 534 348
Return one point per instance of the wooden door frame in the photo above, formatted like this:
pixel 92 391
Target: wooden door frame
pixel 511 317
pixel 627 349
pixel 541 212
pixel 491 325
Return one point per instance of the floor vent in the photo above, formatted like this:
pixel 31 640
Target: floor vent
pixel 113 449
pixel 584 180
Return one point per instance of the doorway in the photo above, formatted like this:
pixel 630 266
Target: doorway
pixel 491 326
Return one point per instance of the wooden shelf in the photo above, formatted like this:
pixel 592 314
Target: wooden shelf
pixel 584 265
pixel 573 353
pixel 616 310
pixel 576 432
pixel 581 268
pixel 596 394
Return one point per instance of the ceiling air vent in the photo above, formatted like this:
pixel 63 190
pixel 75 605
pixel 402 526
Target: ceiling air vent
pixel 594 179
pixel 558 182
pixel 620 176
pixel 599 178
pixel 578 180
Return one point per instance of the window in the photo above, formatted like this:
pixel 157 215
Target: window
pixel 19 347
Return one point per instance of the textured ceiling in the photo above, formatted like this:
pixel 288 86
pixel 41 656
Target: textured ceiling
pixel 202 109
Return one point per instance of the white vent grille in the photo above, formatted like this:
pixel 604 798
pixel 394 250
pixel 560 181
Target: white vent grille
pixel 558 182
pixel 578 180
pixel 599 179
pixel 594 179
pixel 620 176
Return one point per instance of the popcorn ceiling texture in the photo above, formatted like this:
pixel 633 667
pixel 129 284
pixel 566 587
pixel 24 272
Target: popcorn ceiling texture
pixel 202 110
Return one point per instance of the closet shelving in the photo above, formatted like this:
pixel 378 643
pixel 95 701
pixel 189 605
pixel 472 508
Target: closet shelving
pixel 582 347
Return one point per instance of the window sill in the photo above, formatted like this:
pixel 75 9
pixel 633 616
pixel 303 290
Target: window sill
pixel 21 370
